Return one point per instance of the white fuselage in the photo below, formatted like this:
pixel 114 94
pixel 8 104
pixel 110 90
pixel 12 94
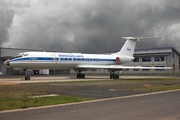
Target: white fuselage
pixel 78 61
pixel 53 60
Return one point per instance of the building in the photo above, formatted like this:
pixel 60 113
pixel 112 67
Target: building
pixel 164 57
pixel 156 57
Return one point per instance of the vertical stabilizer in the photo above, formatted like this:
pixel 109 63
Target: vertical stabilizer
pixel 129 46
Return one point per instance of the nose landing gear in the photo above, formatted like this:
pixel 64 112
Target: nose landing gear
pixel 26 77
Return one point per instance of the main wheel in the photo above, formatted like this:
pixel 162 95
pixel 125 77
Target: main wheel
pixel 83 75
pixel 115 76
pixel 79 75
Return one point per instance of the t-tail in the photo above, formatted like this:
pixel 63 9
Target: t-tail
pixel 129 46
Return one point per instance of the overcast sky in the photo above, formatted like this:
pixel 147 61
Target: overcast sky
pixel 88 25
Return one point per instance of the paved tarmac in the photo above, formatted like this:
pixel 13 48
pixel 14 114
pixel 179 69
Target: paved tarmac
pixel 151 106
pixel 35 79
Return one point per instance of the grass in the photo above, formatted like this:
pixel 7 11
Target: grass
pixel 151 84
pixel 155 88
pixel 25 102
pixel 161 87
pixel 18 96
pixel 152 80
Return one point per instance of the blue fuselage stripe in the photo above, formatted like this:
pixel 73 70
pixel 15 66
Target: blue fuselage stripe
pixel 61 59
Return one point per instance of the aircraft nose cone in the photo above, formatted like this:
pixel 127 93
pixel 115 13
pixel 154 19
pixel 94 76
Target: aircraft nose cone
pixel 7 63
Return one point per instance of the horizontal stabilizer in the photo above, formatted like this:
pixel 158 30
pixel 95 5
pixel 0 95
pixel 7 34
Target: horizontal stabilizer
pixel 140 38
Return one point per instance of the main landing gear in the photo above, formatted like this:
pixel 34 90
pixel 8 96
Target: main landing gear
pixel 113 75
pixel 79 74
pixel 26 77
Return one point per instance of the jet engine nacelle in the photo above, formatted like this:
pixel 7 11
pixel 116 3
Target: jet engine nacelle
pixel 123 59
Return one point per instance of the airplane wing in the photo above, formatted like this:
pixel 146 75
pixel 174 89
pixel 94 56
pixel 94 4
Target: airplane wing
pixel 118 67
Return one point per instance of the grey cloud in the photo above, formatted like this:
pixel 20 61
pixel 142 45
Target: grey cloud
pixel 90 26
pixel 6 16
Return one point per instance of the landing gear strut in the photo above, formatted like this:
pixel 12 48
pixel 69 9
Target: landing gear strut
pixel 79 74
pixel 113 75
pixel 26 77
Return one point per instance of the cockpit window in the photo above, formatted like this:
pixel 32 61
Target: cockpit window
pixel 17 56
pixel 26 54
pixel 20 54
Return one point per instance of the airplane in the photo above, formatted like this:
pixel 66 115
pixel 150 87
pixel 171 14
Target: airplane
pixel 79 62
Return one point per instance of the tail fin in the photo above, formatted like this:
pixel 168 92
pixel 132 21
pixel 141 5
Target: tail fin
pixel 129 46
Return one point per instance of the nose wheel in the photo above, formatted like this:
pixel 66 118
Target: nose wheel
pixel 26 77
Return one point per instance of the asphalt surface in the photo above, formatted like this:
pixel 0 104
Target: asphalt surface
pixel 161 106
pixel 54 78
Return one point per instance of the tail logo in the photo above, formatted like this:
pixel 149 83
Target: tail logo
pixel 128 49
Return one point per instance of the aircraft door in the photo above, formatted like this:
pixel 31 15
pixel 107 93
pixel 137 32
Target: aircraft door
pixel 54 60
